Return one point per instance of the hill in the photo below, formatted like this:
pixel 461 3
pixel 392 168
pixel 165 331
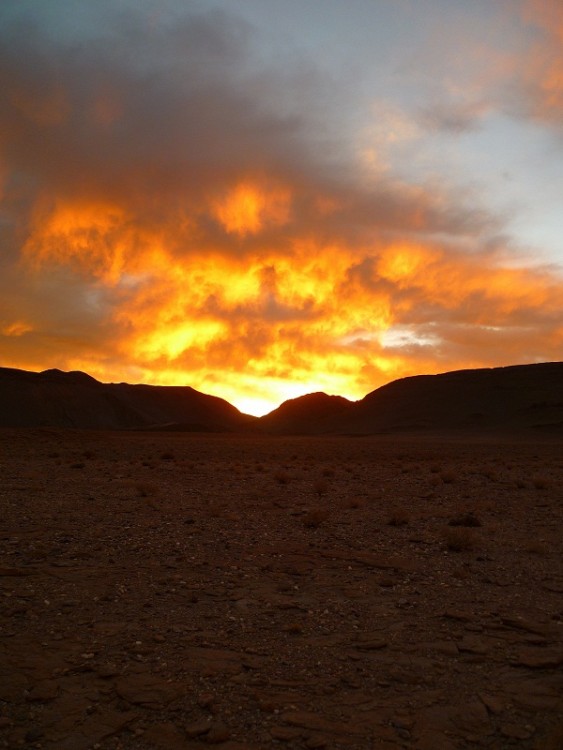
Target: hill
pixel 519 397
pixel 298 414
pixel 73 399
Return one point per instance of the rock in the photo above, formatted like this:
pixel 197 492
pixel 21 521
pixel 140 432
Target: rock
pixel 167 736
pixel 472 644
pixel 472 721
pixel 493 703
pixel 309 720
pixel 44 691
pixel 16 572
pixel 370 642
pixel 539 658
pixel 148 690
pixel 218 733
pixel 516 731
pixel 458 614
pixel 105 671
pixel 97 728
pixel 285 734
pixel 523 623
pixel 448 648
pixel 197 729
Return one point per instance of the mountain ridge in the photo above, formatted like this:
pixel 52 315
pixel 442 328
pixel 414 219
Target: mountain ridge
pixel 514 397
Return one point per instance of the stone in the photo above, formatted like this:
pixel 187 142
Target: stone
pixel 495 704
pixel 539 658
pixel 197 729
pixel 44 691
pixel 97 728
pixel 516 731
pixel 472 721
pixel 167 736
pixel 218 733
pixel 148 690
pixel 285 734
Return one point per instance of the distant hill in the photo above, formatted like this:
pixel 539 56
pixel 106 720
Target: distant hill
pixel 74 399
pixel 521 397
pixel 298 414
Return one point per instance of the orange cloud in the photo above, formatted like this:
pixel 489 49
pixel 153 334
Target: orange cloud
pixel 542 68
pixel 281 321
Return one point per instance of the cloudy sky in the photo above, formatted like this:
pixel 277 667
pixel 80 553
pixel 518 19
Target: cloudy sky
pixel 262 199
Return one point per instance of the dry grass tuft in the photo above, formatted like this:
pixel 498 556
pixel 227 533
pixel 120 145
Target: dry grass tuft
pixel 320 487
pixel 282 477
pixel 146 489
pixel 294 628
pixel 356 502
pixel 540 483
pixel 536 547
pixel 467 519
pixel 460 539
pixel 448 477
pixel 398 517
pixel 315 517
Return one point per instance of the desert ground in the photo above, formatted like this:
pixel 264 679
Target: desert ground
pixel 176 591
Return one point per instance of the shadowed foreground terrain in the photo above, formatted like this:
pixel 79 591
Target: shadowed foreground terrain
pixel 177 591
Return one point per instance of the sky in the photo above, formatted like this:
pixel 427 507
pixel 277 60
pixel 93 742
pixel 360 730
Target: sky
pixel 263 199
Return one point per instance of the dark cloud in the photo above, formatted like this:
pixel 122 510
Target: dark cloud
pixel 453 117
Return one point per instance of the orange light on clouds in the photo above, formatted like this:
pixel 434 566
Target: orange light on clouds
pixel 247 208
pixel 183 218
pixel 275 323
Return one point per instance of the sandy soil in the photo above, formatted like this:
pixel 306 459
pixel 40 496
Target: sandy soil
pixel 181 591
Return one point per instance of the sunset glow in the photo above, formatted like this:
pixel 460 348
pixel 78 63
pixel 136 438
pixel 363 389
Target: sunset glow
pixel 181 208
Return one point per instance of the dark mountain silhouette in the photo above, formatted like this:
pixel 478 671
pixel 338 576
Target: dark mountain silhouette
pixel 501 398
pixel 74 399
pixel 520 397
pixel 298 414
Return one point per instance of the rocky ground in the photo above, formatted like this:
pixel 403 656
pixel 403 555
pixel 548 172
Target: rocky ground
pixel 180 591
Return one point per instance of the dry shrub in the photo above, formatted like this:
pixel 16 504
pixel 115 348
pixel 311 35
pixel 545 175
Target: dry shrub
pixel 491 474
pixel 467 519
pixel 282 477
pixel 328 472
pixel 167 456
pixel 448 477
pixel 146 489
pixel 77 465
pixel 460 539
pixel 320 487
pixel 314 518
pixel 356 502
pixel 536 547
pixel 398 517
pixel 540 483
pixel 294 628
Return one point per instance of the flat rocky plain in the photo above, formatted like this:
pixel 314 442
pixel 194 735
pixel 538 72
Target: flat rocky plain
pixel 176 591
